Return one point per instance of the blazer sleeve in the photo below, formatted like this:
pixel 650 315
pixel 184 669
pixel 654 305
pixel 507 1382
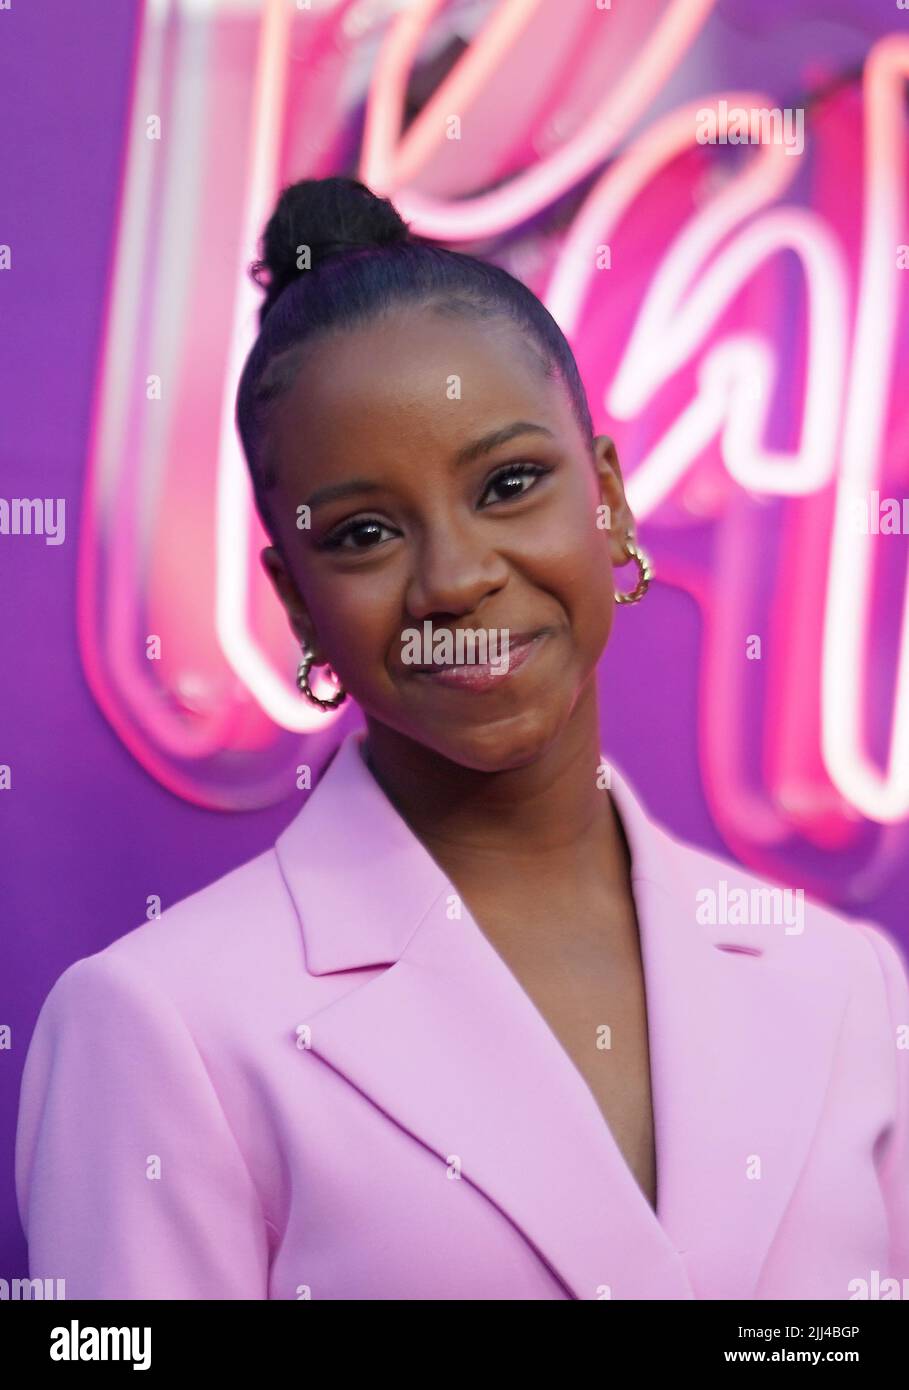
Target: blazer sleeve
pixel 893 1160
pixel 129 1181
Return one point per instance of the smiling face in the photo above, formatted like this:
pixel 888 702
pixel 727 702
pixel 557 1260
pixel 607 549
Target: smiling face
pixel 440 523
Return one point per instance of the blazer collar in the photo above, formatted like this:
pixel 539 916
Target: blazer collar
pixel 349 847
pixel 448 1044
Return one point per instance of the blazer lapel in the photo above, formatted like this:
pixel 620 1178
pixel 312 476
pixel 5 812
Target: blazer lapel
pixel 446 1042
pixel 742 1045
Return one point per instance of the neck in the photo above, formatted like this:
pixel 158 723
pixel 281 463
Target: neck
pixel 547 817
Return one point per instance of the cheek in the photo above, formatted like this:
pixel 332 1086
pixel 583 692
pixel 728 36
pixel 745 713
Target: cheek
pixel 353 615
pixel 570 555
pixel 583 579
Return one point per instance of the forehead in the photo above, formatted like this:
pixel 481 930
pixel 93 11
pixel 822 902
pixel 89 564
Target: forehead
pixel 413 377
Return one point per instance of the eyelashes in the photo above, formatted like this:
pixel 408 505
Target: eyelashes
pixel 335 539
pixel 516 470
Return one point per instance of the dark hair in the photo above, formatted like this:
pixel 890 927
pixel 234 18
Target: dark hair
pixel 363 261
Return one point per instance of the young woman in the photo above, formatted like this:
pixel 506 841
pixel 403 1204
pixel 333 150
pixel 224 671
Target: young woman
pixel 463 1032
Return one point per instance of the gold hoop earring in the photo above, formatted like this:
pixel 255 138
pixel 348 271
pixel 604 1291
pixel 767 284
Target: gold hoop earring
pixel 304 687
pixel 645 572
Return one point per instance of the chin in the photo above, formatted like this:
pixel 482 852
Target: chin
pixel 499 745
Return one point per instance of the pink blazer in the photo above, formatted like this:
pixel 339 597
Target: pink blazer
pixel 317 1078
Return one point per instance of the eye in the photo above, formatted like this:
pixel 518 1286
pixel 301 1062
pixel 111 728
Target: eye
pixel 335 539
pixel 518 472
pixel 369 526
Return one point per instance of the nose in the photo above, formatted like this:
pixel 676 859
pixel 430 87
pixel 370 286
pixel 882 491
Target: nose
pixel 454 569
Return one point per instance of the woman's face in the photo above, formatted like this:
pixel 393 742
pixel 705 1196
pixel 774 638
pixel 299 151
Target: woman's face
pixel 431 529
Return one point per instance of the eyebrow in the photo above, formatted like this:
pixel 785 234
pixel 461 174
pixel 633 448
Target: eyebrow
pixel 477 448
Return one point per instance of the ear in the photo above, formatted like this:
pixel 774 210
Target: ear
pixel 612 495
pixel 286 589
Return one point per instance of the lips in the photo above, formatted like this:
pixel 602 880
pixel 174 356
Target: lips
pixel 483 679
pixel 515 643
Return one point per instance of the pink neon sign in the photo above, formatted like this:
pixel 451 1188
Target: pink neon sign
pixel 745 338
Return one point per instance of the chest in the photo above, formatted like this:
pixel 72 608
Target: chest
pixel 594 1002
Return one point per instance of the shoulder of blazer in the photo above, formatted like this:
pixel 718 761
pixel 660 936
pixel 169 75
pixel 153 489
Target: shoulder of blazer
pixel 230 936
pixel 829 942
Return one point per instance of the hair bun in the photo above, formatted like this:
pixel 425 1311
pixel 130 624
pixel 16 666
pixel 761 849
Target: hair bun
pixel 331 216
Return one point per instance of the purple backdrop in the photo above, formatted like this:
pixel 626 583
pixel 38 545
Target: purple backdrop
pixel 75 869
